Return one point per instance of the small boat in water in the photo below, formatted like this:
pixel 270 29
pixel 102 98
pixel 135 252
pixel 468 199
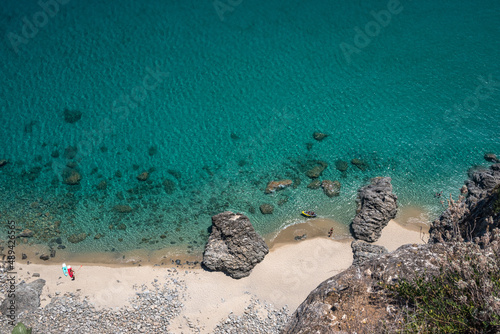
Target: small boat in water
pixel 309 214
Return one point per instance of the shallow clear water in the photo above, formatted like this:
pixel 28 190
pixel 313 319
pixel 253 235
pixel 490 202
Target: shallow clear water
pixel 221 107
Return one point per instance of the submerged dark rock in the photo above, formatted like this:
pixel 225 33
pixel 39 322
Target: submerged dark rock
pixel 376 206
pixel 317 170
pixel 341 165
pixel 71 176
pixel 266 209
pixel 319 136
pixel 331 188
pixel 72 116
pixel 233 246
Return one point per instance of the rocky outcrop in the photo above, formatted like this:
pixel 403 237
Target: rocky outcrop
pixel 277 185
pixel 474 214
pixel 331 188
pixel 491 157
pixel 341 165
pixel 233 246
pixel 376 206
pixel 76 238
pixel 363 251
pixel 355 294
pixel 27 298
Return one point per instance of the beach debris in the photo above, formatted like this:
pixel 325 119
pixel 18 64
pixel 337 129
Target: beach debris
pixel 233 246
pixel 377 204
pixel 273 186
pixel 266 209
pixel 363 251
pixel 319 136
pixel 330 233
pixel 331 188
pixel 317 170
pixel 72 116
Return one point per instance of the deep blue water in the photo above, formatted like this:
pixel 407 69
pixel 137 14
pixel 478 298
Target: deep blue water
pixel 222 97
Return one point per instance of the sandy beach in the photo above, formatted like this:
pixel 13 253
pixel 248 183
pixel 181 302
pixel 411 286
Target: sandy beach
pixel 286 276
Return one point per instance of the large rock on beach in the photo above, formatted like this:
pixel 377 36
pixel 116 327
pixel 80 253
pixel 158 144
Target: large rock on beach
pixel 233 246
pixel 277 185
pixel 377 204
pixel 363 251
pixel 331 188
pixel 27 298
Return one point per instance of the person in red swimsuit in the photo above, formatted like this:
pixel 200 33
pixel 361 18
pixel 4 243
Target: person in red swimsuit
pixel 71 273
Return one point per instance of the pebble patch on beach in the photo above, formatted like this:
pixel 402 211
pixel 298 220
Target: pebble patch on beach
pixel 152 310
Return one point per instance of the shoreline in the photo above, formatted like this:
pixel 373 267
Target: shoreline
pixel 411 218
pixel 285 277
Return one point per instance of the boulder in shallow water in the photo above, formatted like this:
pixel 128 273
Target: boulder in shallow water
pixel 3 162
pixel 76 238
pixel 491 157
pixel 266 209
pixel 122 208
pixel 72 116
pixel 277 185
pixel 319 136
pixel 377 204
pixel 317 170
pixel 341 165
pixel 169 186
pixel 315 184
pixel 331 188
pixel 71 176
pixel 143 176
pixel 233 246
pixel 361 164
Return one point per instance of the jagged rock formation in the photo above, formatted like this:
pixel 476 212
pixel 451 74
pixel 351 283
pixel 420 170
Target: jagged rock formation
pixel 233 246
pixel 356 297
pixel 473 215
pixel 376 206
pixel 356 292
pixel 27 297
pixel 363 251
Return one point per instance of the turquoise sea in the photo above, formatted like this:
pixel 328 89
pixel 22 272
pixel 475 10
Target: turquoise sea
pixel 217 98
